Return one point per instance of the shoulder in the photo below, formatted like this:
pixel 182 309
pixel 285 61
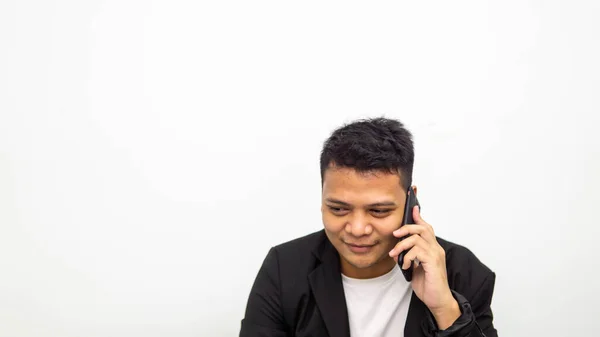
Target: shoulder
pixel 467 274
pixel 291 261
pixel 290 264
pixel 462 256
pixel 301 249
pixel 309 240
pixel 297 252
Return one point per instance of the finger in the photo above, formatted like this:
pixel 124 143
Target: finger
pixel 419 219
pixel 408 243
pixel 405 244
pixel 424 231
pixel 416 253
pixel 408 230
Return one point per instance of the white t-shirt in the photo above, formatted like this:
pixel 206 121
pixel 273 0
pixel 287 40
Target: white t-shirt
pixel 378 306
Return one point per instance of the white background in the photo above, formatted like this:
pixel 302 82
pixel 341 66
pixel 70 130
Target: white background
pixel 152 151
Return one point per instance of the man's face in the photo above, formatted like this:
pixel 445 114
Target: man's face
pixel 360 212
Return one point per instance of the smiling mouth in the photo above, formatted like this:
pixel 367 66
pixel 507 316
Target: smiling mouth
pixel 360 249
pixel 353 245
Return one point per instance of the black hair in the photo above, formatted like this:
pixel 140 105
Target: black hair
pixel 370 145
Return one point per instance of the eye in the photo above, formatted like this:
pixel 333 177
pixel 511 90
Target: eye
pixel 337 210
pixel 381 212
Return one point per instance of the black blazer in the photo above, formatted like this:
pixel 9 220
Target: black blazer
pixel 298 292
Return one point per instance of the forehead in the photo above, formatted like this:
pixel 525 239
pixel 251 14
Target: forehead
pixel 347 182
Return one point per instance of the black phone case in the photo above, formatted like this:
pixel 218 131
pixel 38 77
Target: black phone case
pixel 411 202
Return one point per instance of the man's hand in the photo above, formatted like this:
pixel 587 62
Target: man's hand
pixel 430 281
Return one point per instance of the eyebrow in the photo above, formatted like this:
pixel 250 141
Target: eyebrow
pixel 377 204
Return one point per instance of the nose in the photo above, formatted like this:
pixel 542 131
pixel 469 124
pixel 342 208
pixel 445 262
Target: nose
pixel 358 226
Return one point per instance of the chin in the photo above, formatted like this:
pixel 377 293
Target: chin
pixel 361 262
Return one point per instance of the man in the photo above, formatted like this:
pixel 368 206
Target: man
pixel 345 280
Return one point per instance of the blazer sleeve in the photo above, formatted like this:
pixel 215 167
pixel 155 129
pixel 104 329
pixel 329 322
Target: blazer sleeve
pixel 476 319
pixel 264 313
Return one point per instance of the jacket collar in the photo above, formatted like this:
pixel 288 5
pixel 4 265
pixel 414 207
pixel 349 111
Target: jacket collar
pixel 326 284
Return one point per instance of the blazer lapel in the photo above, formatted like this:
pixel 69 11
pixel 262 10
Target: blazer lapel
pixel 414 319
pixel 326 284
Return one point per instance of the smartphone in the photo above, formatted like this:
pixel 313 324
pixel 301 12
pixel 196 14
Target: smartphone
pixel 411 202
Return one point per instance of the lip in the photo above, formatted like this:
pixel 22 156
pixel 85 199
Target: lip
pixel 360 249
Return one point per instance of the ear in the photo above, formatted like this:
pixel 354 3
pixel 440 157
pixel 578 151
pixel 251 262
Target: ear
pixel 414 187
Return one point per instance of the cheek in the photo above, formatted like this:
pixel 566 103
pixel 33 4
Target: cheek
pixel 386 227
pixel 332 223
